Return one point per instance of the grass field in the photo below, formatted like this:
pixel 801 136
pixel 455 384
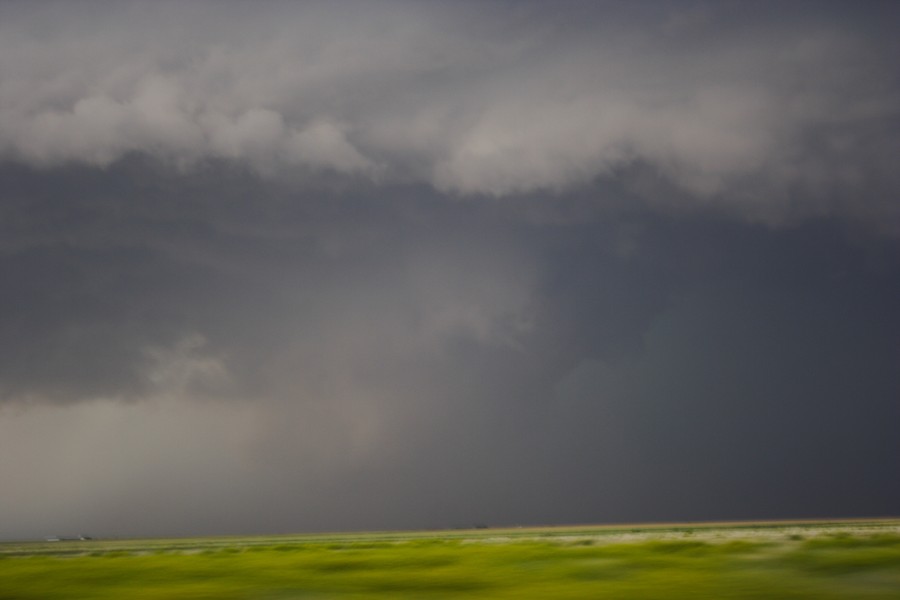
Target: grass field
pixel 822 560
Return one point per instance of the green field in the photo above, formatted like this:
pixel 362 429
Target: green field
pixel 822 560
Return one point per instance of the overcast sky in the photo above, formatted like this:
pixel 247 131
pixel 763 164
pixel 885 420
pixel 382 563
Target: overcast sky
pixel 300 266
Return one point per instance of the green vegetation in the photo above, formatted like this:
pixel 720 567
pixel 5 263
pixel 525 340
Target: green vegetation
pixel 807 560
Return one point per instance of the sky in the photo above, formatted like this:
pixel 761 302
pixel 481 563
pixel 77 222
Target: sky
pixel 304 266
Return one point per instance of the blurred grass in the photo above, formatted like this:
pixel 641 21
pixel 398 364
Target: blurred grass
pixel 731 561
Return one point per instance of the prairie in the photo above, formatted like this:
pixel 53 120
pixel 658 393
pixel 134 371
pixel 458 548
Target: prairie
pixel 823 560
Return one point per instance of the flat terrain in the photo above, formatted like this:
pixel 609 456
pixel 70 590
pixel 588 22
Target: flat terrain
pixel 822 560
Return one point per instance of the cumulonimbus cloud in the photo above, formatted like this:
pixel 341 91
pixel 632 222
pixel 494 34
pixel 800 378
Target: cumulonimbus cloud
pixel 471 101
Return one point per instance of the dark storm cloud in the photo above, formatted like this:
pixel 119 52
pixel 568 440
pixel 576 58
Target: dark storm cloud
pixel 416 265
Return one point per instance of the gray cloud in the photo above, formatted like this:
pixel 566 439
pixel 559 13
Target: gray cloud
pixel 471 100
pixel 403 265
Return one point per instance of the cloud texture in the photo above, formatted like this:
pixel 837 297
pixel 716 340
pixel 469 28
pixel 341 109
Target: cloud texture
pixel 478 99
pixel 306 266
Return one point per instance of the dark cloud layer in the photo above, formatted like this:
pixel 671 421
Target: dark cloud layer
pixel 403 265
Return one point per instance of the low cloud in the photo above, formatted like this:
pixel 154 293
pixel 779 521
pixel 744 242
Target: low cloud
pixel 513 101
